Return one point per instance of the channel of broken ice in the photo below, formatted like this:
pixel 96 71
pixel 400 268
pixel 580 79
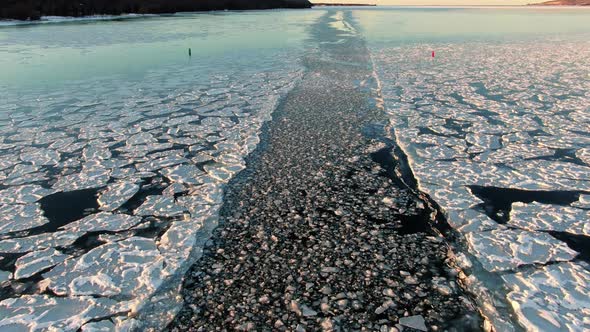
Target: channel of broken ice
pixel 509 115
pixel 149 163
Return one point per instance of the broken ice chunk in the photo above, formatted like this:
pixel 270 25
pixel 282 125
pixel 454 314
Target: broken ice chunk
pixel 27 178
pixel 4 276
pixel 221 172
pixel 37 261
pixel 145 148
pixel 159 206
pixel 202 157
pixel 415 322
pixel 470 220
pixel 218 91
pixel 117 194
pixel 440 152
pixel 157 164
pixel 90 177
pixel 188 174
pixel 8 161
pixel 103 221
pixel 553 297
pixel 17 217
pixel 62 143
pixel 208 193
pixel 46 313
pixel 23 194
pixel 174 189
pixel 132 267
pixel 584 155
pixel 500 250
pixel 141 138
pixel 480 143
pixel 40 156
pixel 122 173
pixel 178 242
pixel 548 217
pixel 513 153
pixel 38 242
pixel 92 152
pixel 550 171
pixel 583 202
pixel 22 169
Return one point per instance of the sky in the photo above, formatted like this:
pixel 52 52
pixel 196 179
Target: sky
pixel 437 2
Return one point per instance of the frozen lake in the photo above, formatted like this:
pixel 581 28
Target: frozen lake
pixel 115 147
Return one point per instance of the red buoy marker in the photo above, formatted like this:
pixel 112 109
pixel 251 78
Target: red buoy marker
pixel 433 54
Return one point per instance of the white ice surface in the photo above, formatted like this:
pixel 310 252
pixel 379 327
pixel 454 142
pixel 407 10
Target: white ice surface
pixel 512 114
pixel 36 261
pixel 117 194
pixel 500 250
pixel 187 144
pixel 552 298
pixel 46 313
pixel 546 217
pixel 129 267
pixel 18 217
pixel 103 221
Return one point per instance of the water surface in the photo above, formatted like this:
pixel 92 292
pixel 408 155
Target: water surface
pixel 116 110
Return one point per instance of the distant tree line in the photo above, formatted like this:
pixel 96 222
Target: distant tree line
pixel 34 9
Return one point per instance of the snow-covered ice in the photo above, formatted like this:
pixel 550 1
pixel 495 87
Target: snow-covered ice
pixel 160 206
pixel 37 261
pixel 507 115
pixel 44 312
pixel 128 268
pixel 117 194
pixel 132 164
pixel 18 217
pixel 103 221
pixel 500 250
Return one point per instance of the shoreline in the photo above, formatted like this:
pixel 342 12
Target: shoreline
pixel 35 10
pixel 7 21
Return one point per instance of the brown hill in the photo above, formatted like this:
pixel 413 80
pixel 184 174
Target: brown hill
pixel 34 9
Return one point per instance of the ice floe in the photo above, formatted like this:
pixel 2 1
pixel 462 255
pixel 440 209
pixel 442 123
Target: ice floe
pixel 18 217
pixel 188 174
pixel 38 242
pixel 37 261
pixel 160 206
pixel 583 202
pixel 130 267
pixel 103 221
pixel 552 298
pixel 4 276
pixel 46 313
pixel 500 250
pixel 509 115
pixel 117 194
pixel 23 194
pixel 157 157
pixel 89 177
pixel 40 156
pixel 160 163
pixel 546 217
